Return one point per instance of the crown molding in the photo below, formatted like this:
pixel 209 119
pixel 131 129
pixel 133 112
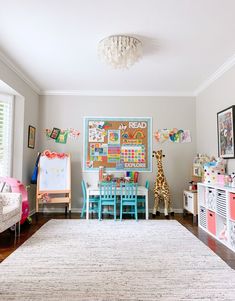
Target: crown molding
pixel 228 64
pixel 216 75
pixel 20 73
pixel 114 93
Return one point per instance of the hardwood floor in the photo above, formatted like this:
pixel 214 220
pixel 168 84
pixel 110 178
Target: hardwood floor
pixel 9 245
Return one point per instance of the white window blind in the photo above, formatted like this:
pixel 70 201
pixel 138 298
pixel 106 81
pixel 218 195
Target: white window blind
pixel 6 134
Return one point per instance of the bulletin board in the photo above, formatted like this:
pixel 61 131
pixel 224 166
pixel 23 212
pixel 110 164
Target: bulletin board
pixel 117 143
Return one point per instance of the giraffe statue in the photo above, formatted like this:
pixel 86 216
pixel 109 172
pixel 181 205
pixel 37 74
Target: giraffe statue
pixel 161 188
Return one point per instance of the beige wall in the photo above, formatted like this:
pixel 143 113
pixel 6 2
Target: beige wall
pixel 167 112
pixel 27 108
pixel 218 96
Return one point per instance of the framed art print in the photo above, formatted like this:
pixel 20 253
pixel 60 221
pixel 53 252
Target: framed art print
pixel 31 136
pixel 55 133
pixel 197 170
pixel 225 127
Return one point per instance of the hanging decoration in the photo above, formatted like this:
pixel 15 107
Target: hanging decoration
pixel 62 138
pixel 53 155
pixel 173 135
pixel 61 135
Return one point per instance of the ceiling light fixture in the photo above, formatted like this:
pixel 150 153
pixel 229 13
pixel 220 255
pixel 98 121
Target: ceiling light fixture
pixel 120 51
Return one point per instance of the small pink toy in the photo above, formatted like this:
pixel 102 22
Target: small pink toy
pixel 17 186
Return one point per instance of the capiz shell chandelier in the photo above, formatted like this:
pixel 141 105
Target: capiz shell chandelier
pixel 120 51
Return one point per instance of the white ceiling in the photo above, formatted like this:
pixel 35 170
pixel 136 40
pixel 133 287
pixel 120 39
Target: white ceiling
pixel 54 43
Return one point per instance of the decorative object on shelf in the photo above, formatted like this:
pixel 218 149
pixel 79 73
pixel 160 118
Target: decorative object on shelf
pixel 161 188
pixel 225 127
pixel 173 135
pixel 31 136
pixel 133 176
pixel 120 51
pixel 220 179
pixel 227 180
pixel 214 168
pixel 192 186
pixel 198 164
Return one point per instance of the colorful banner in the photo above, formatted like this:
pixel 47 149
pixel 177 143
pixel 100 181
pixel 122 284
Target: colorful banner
pixel 173 135
pixel 61 135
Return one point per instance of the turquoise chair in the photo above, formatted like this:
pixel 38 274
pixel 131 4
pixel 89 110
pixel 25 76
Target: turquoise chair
pixel 141 200
pixel 108 197
pixel 93 201
pixel 128 199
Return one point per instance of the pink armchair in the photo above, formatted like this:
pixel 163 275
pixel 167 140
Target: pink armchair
pixel 10 210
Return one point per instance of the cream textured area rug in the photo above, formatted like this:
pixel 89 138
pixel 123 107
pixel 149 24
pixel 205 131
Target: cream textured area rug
pixel 107 260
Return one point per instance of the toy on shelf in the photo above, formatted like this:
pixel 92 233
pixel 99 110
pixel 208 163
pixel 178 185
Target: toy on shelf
pixel 133 175
pixel 129 177
pixel 17 186
pixel 229 180
pixel 193 186
pixel 161 189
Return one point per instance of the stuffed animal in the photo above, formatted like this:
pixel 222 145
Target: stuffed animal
pixel 161 189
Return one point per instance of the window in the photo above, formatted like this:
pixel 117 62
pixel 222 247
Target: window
pixel 6 134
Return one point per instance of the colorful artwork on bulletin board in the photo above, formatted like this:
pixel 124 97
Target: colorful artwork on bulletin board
pixel 117 143
pixel 173 135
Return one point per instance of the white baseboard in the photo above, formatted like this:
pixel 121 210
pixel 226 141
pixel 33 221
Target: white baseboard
pixel 79 210
pixel 178 210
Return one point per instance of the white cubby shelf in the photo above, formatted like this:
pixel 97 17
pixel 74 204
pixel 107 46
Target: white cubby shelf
pixel 216 212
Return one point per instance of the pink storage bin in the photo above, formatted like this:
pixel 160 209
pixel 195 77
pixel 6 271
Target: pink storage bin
pixel 211 222
pixel 232 205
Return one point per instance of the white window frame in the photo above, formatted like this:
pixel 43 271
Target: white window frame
pixel 10 100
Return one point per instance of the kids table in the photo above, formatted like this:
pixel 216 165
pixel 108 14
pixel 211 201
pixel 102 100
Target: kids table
pixel 141 191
